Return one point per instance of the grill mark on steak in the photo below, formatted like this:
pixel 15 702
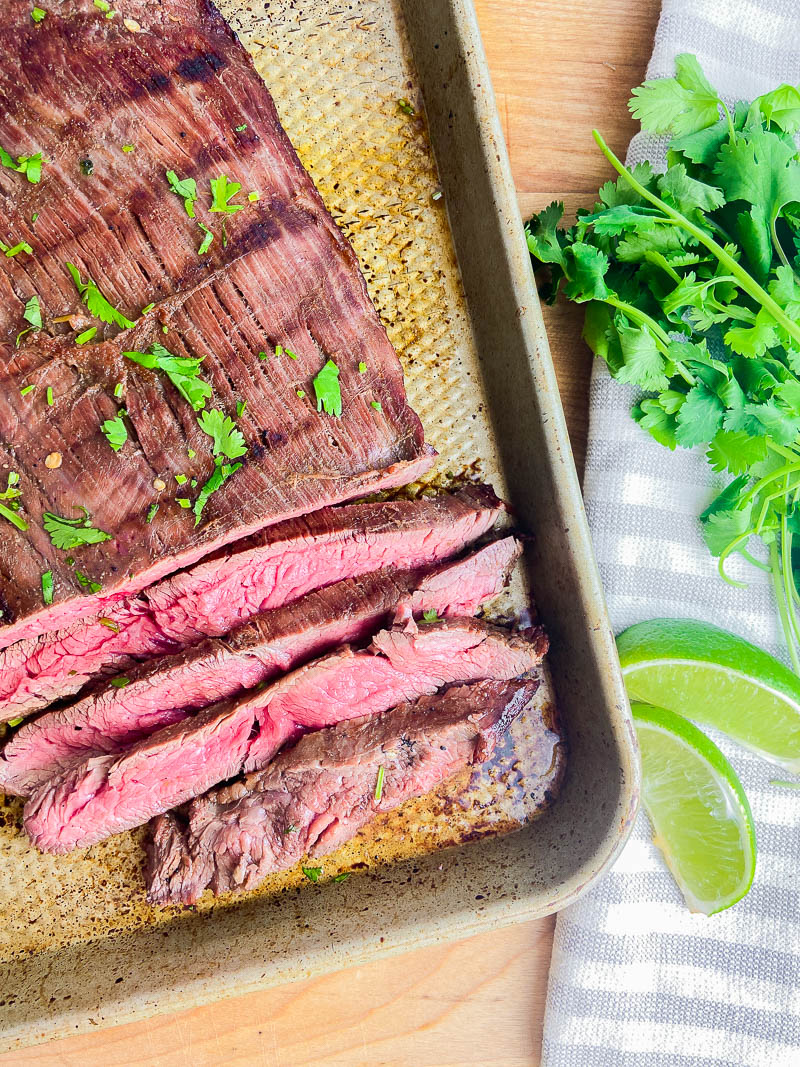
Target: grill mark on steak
pixel 324 789
pixel 108 794
pixel 124 228
pixel 169 689
pixel 235 583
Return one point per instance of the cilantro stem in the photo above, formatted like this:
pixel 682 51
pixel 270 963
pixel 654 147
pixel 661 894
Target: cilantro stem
pixel 788 580
pixel 753 561
pixel 727 551
pixel 747 281
pixel 660 337
pixel 13 518
pixel 776 244
pixel 729 119
pixel 760 485
pixel 779 590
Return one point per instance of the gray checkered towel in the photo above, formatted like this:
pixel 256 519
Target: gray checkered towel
pixel 636 980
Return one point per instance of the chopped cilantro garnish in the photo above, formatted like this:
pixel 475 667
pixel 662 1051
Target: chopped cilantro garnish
pixel 87 583
pixel 181 479
pixel 222 192
pixel 205 244
pixel 182 371
pixel 301 393
pixel 118 389
pixel 21 246
pixel 33 312
pixel 430 616
pixel 38 13
pixel 253 197
pixel 183 501
pixel 190 452
pixel 221 473
pixel 362 367
pixel 103 5
pixel 34 217
pixel 96 303
pixel 342 877
pixel 109 625
pixel 87 335
pixel 228 441
pixel 376 404
pixel 278 350
pixel 72 533
pixel 405 106
pixel 116 432
pixel 312 873
pixel 328 391
pixel 31 167
pixel 240 408
pixel 121 682
pixel 47 587
pixel 12 494
pixel 129 148
pixel 185 187
pixel 263 355
pixel 49 395
pixel 151 513
pixel 165 328
pixel 87 167
pixel 193 483
pixel 289 353
pixel 241 128
pixel 14 722
pixel 379 785
pixel 146 309
pixel 26 389
pixel 290 829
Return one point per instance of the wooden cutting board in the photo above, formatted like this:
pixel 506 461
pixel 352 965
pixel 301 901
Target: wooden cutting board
pixel 558 68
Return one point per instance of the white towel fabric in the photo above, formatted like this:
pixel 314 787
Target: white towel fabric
pixel 636 980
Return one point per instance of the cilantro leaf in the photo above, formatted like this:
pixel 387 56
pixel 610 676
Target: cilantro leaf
pixel 30 166
pixel 96 303
pixel 221 473
pixel 38 13
pixel 543 237
pixel 689 196
pixel 33 312
pixel 699 417
pixel 736 451
pixel 642 364
pixel 228 440
pixel 781 107
pixel 9 510
pixel 223 191
pixel 205 244
pixel 72 533
pixel 182 371
pixel 328 391
pixel 586 274
pixel 760 169
pixel 185 187
pixel 116 432
pixel 679 105
pixel 47 587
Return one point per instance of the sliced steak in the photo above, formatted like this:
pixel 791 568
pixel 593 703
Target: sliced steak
pixel 186 95
pixel 168 690
pixel 269 569
pixel 107 794
pixel 320 793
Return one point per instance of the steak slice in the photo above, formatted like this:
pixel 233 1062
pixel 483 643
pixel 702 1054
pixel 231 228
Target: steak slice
pixel 185 94
pixel 320 793
pixel 269 569
pixel 107 794
pixel 167 690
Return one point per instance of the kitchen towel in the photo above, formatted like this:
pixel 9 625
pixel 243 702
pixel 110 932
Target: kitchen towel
pixel 636 980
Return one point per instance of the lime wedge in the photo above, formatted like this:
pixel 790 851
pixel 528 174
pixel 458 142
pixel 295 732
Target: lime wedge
pixel 717 679
pixel 701 820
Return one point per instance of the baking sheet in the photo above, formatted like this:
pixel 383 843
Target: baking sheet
pixel 339 73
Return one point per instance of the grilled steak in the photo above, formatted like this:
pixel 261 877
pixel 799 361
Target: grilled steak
pixel 107 794
pixel 269 569
pixel 167 690
pixel 280 277
pixel 319 794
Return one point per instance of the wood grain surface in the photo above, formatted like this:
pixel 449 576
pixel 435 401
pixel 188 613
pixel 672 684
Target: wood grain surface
pixel 559 68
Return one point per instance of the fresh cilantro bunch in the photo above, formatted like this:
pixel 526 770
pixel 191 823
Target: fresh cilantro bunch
pixel 691 281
